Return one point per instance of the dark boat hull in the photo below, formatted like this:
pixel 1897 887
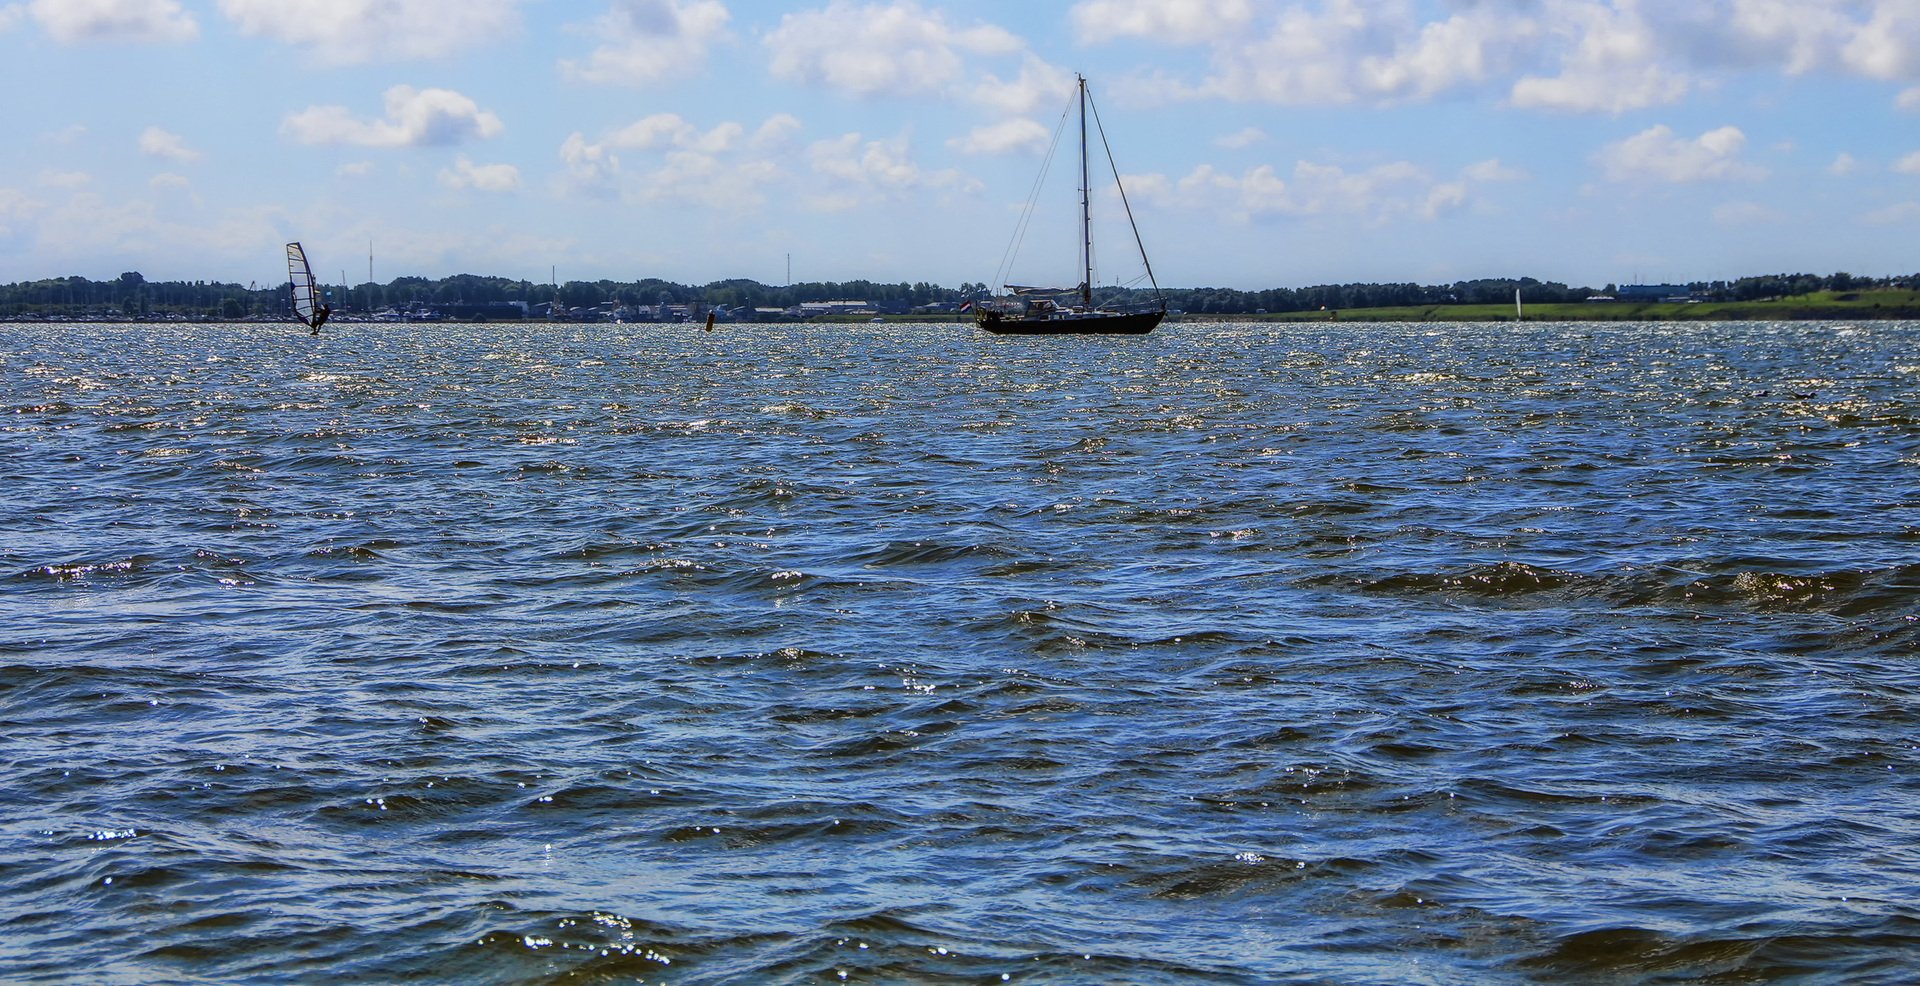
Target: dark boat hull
pixel 1096 323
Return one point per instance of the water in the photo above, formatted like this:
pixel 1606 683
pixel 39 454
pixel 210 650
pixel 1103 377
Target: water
pixel 1232 654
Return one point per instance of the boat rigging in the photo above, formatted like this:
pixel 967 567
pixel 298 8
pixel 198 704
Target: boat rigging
pixel 1024 310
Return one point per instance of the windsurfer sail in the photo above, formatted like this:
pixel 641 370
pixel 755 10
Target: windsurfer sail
pixel 307 306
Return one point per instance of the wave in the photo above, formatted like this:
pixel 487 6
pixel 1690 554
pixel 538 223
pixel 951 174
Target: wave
pixel 1842 592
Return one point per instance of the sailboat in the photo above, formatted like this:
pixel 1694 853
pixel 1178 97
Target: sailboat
pixel 1024 310
pixel 307 306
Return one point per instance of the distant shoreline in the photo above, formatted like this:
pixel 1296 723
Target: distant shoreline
pixel 1839 306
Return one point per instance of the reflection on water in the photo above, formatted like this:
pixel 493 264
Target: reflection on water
pixel 1235 653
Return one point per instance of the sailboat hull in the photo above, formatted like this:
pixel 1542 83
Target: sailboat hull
pixel 1069 323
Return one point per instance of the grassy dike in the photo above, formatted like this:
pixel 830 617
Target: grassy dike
pixel 1837 305
pixel 1821 305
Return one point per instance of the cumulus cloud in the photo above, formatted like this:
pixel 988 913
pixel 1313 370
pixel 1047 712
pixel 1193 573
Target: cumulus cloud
pixel 114 20
pixel 1899 213
pixel 861 172
pixel 1039 85
pixel 1331 52
pixel 1177 21
pixel 353 31
pixel 1385 193
pixel 1241 139
pixel 1491 170
pixel 643 41
pixel 1887 46
pixel 16 207
pixel 776 130
pixel 1843 164
pixel 672 160
pixel 10 16
pixel 1909 165
pixel 155 142
pixel 664 130
pixel 1005 137
pixel 415 118
pixel 481 177
pixel 1612 63
pixel 874 48
pixel 168 180
pixel 1658 154
pixel 1909 99
pixel 1583 56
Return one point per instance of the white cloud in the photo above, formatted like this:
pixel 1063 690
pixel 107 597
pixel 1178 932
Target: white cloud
pixel 1328 52
pixel 481 177
pixel 65 179
pixel 354 169
pixel 10 16
pixel 155 142
pixel 864 171
pixel 89 228
pixel 1887 46
pixel 664 130
pixel 1491 170
pixel 1464 50
pixel 718 168
pixel 589 166
pixel 1657 154
pixel 415 118
pixel 875 48
pixel 114 20
pixel 1894 215
pixel 1584 56
pixel 168 180
pixel 1843 165
pixel 1241 139
pixel 643 41
pixel 1909 165
pixel 15 207
pixel 1038 86
pixel 1385 193
pixel 1176 21
pixel 343 32
pixel 1005 137
pixel 1796 36
pixel 1613 63
pixel 776 130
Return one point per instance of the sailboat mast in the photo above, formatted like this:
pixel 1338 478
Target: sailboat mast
pixel 1086 208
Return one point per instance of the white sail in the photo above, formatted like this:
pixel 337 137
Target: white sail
pixel 306 302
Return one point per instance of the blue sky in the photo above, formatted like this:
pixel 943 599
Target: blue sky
pixel 1262 144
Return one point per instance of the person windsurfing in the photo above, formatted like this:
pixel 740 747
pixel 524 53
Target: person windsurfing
pixel 320 317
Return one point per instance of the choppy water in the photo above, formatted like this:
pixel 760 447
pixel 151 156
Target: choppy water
pixel 1235 654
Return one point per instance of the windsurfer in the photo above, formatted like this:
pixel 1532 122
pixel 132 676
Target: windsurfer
pixel 320 318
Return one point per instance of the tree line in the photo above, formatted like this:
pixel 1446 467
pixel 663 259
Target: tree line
pixel 132 295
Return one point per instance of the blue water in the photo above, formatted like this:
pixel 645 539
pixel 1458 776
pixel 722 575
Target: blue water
pixel 796 654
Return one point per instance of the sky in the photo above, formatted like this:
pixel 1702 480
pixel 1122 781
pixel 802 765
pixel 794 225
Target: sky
pixel 1261 143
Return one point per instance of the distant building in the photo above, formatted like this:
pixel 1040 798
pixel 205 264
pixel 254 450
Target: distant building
pixel 1654 292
